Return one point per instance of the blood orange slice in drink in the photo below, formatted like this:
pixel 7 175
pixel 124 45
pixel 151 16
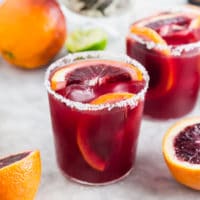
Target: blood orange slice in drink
pixel 181 151
pixel 96 145
pixel 165 75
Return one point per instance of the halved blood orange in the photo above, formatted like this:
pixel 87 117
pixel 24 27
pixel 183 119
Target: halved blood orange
pixel 59 78
pixel 181 151
pixel 96 161
pixel 20 176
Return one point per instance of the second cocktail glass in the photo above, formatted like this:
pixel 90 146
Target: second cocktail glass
pixel 96 103
pixel 168 45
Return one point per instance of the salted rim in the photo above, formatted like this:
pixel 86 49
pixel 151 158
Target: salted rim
pixel 175 50
pixel 70 58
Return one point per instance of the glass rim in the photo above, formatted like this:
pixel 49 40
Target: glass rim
pixel 175 50
pixel 70 58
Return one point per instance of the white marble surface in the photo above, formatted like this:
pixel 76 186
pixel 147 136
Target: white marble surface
pixel 25 124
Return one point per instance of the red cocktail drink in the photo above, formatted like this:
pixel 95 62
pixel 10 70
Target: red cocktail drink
pixel 168 45
pixel 96 104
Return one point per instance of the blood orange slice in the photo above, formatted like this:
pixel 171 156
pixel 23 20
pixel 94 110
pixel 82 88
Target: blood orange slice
pixel 148 34
pixel 166 74
pixel 165 79
pixel 112 98
pixel 88 139
pixel 181 150
pixel 91 69
pixel 20 176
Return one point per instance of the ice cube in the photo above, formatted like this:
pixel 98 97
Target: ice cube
pixel 80 93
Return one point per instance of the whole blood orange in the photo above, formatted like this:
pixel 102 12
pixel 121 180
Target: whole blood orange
pixel 31 32
pixel 20 176
pixel 181 150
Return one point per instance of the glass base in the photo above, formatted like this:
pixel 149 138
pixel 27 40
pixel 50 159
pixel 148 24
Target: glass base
pixel 97 184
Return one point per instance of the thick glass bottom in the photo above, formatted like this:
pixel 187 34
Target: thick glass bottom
pixel 97 184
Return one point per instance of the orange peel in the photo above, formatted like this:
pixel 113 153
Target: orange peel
pixel 20 177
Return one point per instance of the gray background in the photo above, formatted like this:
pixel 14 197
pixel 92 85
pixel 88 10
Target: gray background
pixel 25 124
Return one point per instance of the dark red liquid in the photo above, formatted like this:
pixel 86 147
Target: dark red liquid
pixel 179 72
pixel 96 146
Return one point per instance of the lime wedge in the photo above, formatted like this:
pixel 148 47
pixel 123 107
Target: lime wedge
pixel 86 40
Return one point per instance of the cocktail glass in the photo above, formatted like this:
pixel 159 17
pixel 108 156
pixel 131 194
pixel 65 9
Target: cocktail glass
pixel 96 104
pixel 168 45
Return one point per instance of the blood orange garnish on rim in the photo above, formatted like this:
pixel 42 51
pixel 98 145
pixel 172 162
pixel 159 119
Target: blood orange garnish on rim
pixel 148 34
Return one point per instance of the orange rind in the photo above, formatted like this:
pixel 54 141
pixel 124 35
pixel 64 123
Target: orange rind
pixel 184 172
pixel 20 176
